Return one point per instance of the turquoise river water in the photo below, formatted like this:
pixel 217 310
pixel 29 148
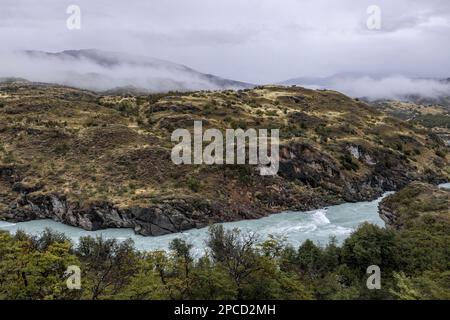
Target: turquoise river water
pixel 318 225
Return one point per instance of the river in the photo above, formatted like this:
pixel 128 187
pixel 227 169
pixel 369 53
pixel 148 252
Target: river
pixel 317 225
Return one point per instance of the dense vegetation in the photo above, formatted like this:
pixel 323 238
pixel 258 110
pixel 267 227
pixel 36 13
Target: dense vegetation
pixel 414 264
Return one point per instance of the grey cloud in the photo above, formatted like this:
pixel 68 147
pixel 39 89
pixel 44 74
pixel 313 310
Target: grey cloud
pixel 205 37
pixel 259 41
pixel 392 87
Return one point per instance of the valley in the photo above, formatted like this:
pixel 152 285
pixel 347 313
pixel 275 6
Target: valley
pixel 99 161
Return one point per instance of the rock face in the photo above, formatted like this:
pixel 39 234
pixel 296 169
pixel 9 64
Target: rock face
pixel 164 218
pixel 101 161
pixel 389 216
pixel 415 204
pixel 385 172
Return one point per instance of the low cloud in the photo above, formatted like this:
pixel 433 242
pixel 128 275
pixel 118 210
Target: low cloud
pixel 258 41
pixel 390 87
pixel 100 71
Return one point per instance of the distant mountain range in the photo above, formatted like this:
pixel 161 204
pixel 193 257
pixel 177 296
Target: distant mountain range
pixel 103 70
pixel 114 72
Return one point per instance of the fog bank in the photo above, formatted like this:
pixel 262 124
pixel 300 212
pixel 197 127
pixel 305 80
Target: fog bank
pixel 101 70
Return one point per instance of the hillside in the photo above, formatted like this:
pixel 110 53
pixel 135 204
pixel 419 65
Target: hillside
pixel 98 161
pixel 419 203
pixel 434 115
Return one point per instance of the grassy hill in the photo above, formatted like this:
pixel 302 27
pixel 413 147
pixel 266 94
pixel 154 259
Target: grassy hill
pixel 98 161
pixel 434 115
pixel 419 203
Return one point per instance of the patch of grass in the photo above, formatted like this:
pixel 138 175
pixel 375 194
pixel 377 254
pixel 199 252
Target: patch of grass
pixel 193 184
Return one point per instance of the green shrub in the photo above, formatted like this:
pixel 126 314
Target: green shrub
pixel 193 184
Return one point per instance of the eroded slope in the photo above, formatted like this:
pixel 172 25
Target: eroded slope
pixel 104 161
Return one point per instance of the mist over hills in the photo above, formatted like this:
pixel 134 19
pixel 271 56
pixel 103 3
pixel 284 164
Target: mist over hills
pixel 103 70
pixel 116 72
pixel 381 86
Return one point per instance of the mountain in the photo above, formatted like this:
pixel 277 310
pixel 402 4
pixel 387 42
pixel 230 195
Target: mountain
pixel 102 70
pixel 99 160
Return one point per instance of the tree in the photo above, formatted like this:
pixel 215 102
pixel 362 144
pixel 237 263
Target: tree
pixel 371 245
pixel 146 283
pixel 28 271
pixel 235 253
pixel 108 265
pixel 210 281
pixel 404 288
pixel 310 260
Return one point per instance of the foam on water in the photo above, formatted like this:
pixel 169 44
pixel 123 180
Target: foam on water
pixel 295 227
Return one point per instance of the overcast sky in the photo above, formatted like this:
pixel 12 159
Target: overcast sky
pixel 258 41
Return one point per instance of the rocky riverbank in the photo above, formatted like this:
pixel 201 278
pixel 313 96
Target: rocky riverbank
pixel 415 204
